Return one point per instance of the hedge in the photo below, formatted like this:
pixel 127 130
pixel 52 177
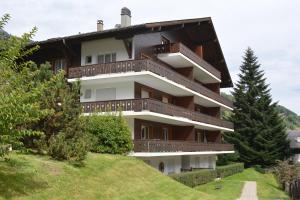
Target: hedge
pixel 199 177
pixel 195 178
pixel 230 169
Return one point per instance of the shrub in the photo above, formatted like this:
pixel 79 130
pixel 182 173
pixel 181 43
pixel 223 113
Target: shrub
pixel 229 170
pixel 110 133
pixel 203 176
pixel 195 178
pixel 71 144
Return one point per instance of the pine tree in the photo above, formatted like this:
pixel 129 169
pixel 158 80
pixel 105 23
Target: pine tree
pixel 260 134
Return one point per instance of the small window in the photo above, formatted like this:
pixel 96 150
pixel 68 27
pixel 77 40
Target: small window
pixel 200 137
pixel 113 57
pixel 59 64
pixel 88 60
pixel 145 94
pixel 100 59
pixel 165 99
pixel 144 132
pixel 88 94
pixel 107 58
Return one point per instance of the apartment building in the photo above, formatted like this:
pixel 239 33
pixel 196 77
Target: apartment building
pixel 164 76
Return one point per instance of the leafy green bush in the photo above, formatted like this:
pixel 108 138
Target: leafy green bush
pixel 110 133
pixel 195 178
pixel 229 170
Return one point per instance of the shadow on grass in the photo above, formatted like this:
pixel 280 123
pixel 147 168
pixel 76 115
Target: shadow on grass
pixel 15 181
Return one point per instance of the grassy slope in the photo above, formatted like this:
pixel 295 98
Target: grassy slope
pixel 102 177
pixel 232 186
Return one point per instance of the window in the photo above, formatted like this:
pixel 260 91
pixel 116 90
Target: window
pixel 88 60
pixel 298 139
pixel 200 137
pixel 107 58
pixel 144 94
pixel 165 99
pixel 88 94
pixel 165 134
pixel 144 132
pixel 104 94
pixel 100 59
pixel 59 64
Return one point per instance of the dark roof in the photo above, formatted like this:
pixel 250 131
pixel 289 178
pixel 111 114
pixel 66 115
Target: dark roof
pixel 142 28
pixel 292 136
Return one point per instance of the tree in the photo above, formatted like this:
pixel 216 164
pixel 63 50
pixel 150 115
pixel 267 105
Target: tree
pixel 19 95
pixel 260 135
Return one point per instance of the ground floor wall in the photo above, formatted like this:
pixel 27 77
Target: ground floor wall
pixel 177 164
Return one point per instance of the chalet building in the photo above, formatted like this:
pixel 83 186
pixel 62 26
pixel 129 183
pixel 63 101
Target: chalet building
pixel 164 76
pixel 294 137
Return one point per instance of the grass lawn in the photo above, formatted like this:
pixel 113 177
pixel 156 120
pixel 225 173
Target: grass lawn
pixel 103 177
pixel 267 186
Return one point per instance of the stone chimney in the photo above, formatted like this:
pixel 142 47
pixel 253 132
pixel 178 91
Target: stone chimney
pixel 99 25
pixel 125 17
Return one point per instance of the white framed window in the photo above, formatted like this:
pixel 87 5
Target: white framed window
pixel 144 94
pixel 144 132
pixel 88 60
pixel 200 137
pixel 59 64
pixel 107 58
pixel 88 93
pixel 165 99
pixel 104 94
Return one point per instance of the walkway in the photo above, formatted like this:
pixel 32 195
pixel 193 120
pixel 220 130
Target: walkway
pixel 249 191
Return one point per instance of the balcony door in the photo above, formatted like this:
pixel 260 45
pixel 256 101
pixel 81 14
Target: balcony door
pixel 144 132
pixel 200 137
pixel 165 134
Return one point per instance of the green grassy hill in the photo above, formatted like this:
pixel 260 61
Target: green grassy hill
pixel 102 177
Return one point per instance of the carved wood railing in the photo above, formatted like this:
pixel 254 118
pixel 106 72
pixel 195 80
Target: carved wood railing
pixel 152 105
pixel 146 65
pixel 181 48
pixel 178 146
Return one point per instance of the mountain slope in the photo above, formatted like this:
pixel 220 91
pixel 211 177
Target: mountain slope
pixel 102 177
pixel 291 119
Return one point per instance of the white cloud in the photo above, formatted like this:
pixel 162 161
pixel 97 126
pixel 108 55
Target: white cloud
pixel 269 27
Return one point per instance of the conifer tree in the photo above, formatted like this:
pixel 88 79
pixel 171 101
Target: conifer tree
pixel 260 134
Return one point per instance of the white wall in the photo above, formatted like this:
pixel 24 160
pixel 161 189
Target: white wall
pixel 130 122
pixel 123 91
pixel 172 163
pixel 98 47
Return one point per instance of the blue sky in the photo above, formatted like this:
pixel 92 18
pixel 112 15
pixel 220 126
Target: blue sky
pixel 270 27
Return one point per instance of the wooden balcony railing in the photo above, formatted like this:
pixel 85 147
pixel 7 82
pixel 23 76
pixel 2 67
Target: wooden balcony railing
pixel 178 146
pixel 181 48
pixel 146 65
pixel 152 105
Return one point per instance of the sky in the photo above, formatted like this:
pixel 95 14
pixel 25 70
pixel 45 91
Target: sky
pixel 270 27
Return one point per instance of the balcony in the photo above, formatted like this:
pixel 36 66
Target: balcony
pixel 151 66
pixel 178 146
pixel 139 105
pixel 178 55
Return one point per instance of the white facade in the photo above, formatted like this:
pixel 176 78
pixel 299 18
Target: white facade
pixel 101 47
pixel 103 92
pixel 174 164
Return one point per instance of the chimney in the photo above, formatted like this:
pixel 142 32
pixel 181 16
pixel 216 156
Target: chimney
pixel 125 17
pixel 99 25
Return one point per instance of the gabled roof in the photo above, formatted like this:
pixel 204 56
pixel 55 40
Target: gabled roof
pixel 125 32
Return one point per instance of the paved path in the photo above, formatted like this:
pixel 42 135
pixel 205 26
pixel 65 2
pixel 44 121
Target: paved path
pixel 249 191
